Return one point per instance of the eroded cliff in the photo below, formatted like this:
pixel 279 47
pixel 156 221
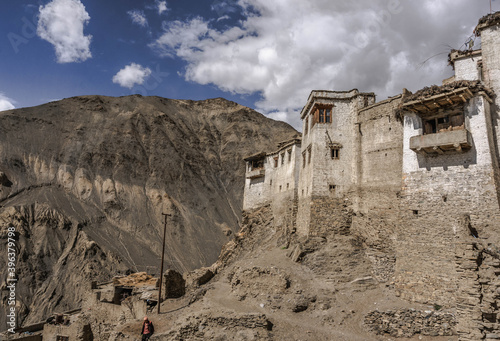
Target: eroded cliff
pixel 85 180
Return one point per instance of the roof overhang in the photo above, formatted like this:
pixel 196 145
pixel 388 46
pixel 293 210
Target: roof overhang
pixel 458 55
pixel 325 96
pixel 436 102
pixel 491 19
pixel 255 157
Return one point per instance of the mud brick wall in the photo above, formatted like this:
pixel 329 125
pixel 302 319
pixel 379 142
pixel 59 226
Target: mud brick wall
pixel 379 157
pixel 376 196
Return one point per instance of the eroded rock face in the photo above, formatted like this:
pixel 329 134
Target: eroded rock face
pixel 88 179
pixel 4 181
pixel 175 285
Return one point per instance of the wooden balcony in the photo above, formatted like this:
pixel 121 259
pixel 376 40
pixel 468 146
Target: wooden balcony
pixel 445 142
pixel 256 173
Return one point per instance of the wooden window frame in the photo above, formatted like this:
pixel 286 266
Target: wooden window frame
pixel 323 114
pixel 448 121
pixel 256 164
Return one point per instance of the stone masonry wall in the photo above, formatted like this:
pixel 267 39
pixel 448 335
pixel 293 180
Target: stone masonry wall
pixel 330 215
pixel 379 157
pixel 321 175
pixel 409 322
pixel 327 171
pixel 256 193
pixel 280 177
pixel 303 215
pixel 490 47
pixel 467 68
pixel 376 196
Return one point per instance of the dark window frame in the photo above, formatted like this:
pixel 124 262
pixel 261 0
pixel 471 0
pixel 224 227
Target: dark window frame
pixel 335 153
pixel 443 122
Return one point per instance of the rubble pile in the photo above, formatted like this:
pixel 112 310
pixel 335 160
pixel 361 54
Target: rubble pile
pixel 408 322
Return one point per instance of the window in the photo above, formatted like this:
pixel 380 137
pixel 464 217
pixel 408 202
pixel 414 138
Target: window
pixel 271 183
pixel 287 186
pixel 280 188
pixel 306 125
pixel 62 338
pixel 289 155
pixel 303 159
pixel 332 188
pixel 334 153
pixel 256 164
pixel 448 122
pixel 282 158
pixel 309 152
pixel 322 114
pixel 275 161
pixel 325 115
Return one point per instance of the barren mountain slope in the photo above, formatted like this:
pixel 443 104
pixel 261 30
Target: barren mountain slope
pixel 85 180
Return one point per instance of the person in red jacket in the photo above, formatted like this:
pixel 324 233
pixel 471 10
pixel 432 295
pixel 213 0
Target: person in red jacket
pixel 147 329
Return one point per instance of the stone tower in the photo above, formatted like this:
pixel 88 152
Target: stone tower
pixel 489 30
pixel 328 162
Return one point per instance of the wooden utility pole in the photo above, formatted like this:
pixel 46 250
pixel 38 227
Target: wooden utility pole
pixel 162 258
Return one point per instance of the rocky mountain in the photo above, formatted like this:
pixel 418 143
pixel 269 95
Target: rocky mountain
pixel 84 182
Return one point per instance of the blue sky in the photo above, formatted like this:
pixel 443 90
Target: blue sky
pixel 264 54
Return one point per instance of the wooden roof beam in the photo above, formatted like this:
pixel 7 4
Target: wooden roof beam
pixel 425 105
pixel 438 150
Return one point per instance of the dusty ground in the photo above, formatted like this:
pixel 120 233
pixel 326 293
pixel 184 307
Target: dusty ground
pixel 324 297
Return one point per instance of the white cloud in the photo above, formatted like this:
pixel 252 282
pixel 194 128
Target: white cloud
pixel 286 48
pixel 224 17
pixel 138 17
pixel 162 6
pixel 61 23
pixel 131 74
pixel 6 103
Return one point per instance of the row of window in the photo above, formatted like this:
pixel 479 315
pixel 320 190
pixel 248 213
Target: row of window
pixel 283 158
pixel 332 189
pixel 306 155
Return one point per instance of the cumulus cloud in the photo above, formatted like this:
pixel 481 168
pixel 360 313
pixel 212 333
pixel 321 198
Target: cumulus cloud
pixel 131 74
pixel 283 49
pixel 61 23
pixel 138 17
pixel 162 6
pixel 6 103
